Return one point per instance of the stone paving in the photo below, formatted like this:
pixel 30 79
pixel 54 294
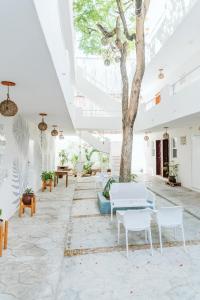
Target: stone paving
pixel 30 268
pixel 106 273
pixel 34 266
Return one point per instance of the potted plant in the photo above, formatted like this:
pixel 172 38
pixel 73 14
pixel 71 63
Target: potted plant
pixel 47 179
pixel 27 196
pixel 87 168
pixel 173 172
pixel 107 187
pixel 63 155
pixel 74 161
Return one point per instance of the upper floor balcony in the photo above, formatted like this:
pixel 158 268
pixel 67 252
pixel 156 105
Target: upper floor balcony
pixel 173 13
pixel 174 102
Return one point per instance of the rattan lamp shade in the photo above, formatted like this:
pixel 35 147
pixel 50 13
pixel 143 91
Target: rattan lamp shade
pixel 8 108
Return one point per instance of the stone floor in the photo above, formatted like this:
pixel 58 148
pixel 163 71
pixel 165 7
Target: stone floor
pixel 30 268
pixel 96 267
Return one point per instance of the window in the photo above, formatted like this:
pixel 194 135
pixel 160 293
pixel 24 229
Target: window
pixel 174 148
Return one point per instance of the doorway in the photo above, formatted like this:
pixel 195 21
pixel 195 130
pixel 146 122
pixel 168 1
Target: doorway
pixel 196 161
pixel 165 148
pixel 158 157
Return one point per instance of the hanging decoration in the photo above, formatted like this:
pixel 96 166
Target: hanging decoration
pixel 8 108
pixel 42 125
pixel 161 74
pixel 146 137
pixel 165 134
pixel 54 132
pixel 61 136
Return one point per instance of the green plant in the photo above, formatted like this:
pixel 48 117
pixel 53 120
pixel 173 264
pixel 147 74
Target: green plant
pixel 28 191
pixel 107 187
pixel 173 169
pixel 63 155
pixel 89 153
pixel 87 167
pixel 74 160
pixel 0 212
pixel 47 175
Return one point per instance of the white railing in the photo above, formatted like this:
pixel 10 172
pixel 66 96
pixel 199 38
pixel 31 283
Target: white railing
pixel 187 79
pixel 172 16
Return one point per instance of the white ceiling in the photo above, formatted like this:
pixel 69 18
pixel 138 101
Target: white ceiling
pixel 25 59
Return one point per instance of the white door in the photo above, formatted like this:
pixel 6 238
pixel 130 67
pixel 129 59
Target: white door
pixel 196 161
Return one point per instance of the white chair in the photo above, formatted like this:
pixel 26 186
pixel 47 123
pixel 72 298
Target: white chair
pixel 135 220
pixel 170 217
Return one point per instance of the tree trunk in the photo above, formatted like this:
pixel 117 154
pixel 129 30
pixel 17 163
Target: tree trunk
pixel 126 154
pixel 129 111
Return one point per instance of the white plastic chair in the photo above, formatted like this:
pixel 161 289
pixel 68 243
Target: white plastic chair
pixel 135 220
pixel 170 217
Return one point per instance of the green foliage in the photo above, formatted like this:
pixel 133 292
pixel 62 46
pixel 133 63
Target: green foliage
pixel 47 175
pixel 0 212
pixel 89 153
pixel 107 187
pixel 89 13
pixel 74 160
pixel 63 155
pixel 87 167
pixel 28 191
pixel 173 169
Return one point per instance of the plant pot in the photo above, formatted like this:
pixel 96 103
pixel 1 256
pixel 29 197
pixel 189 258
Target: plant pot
pixel 26 199
pixel 172 179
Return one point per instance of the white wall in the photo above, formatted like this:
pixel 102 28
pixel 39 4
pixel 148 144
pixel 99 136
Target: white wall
pixel 20 160
pixel 184 157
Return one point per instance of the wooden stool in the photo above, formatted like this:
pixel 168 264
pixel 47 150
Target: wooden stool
pixel 32 206
pixel 45 184
pixel 3 236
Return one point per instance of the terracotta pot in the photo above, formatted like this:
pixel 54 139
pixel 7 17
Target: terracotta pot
pixel 26 199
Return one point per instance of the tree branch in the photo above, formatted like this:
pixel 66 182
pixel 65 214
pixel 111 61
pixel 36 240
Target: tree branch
pixel 138 7
pixel 105 32
pixel 129 37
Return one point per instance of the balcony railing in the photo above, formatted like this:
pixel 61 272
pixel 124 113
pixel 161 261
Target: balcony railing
pixel 187 79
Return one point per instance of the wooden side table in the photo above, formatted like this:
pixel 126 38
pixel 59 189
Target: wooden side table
pixel 63 173
pixel 46 184
pixel 32 206
pixel 3 236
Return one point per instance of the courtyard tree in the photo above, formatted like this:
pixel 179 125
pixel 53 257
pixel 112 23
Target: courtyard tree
pixel 115 30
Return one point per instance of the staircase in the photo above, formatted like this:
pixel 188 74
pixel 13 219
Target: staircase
pixel 95 142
